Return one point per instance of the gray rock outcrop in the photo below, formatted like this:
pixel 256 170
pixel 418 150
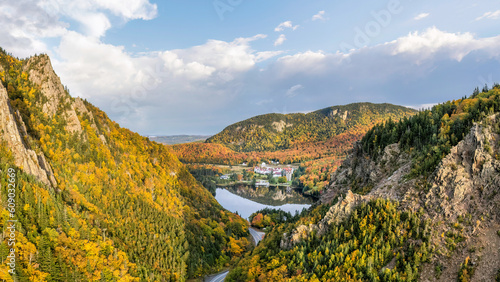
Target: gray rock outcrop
pixel 338 212
pixel 13 133
pixel 55 98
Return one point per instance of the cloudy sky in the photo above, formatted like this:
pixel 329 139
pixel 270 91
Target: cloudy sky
pixel 194 67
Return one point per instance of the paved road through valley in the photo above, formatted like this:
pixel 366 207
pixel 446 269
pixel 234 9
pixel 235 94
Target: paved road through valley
pixel 219 277
pixel 257 235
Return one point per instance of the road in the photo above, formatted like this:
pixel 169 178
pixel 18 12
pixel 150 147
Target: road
pixel 257 235
pixel 218 277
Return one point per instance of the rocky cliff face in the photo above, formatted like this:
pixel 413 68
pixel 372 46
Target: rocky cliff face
pixel 461 196
pixel 470 172
pixel 54 100
pixel 14 134
pixel 383 178
pixel 465 198
pixel 468 179
pixel 341 210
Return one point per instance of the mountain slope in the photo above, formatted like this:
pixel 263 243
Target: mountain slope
pixel 318 140
pixel 94 200
pixel 278 131
pixel 426 198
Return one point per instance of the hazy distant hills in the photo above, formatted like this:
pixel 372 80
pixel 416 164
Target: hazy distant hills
pixel 271 132
pixel 179 139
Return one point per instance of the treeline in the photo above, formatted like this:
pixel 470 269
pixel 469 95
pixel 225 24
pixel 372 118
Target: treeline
pixel 430 134
pixel 358 249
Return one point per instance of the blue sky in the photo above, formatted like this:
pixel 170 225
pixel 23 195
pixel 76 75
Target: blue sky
pixel 194 67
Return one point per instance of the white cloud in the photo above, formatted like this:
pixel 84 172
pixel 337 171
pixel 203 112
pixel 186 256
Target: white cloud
pixel 215 83
pixel 230 57
pixel 410 57
pixel 94 24
pixel 130 9
pixel 26 23
pixel 288 24
pixel 421 16
pixel 180 69
pixel 434 41
pixel 89 65
pixel 307 62
pixel 280 40
pixel 283 25
pixel 247 40
pixel 203 88
pixel 292 91
pixel 92 14
pixel 422 106
pixel 265 55
pixel 132 88
pixel 24 26
pixel 126 9
pixel 490 15
pixel 319 16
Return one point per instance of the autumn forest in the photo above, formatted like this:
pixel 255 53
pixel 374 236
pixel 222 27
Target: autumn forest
pixel 93 201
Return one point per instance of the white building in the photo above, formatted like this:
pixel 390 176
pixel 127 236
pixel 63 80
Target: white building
pixel 288 172
pixel 276 171
pixel 262 183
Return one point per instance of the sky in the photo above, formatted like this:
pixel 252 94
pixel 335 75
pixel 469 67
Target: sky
pixel 194 67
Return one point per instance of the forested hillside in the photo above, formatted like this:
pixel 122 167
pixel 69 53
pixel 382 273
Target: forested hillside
pixel 429 135
pixel 356 249
pixel 425 207
pixel 210 153
pixel 319 140
pixel 278 131
pixel 318 159
pixel 95 201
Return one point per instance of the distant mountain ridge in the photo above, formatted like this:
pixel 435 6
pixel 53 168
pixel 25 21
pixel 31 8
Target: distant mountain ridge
pixel 178 139
pixel 272 132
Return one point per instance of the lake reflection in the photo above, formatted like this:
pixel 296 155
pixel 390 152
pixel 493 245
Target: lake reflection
pixel 246 207
pixel 273 196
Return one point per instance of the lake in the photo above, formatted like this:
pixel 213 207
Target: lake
pixel 233 202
